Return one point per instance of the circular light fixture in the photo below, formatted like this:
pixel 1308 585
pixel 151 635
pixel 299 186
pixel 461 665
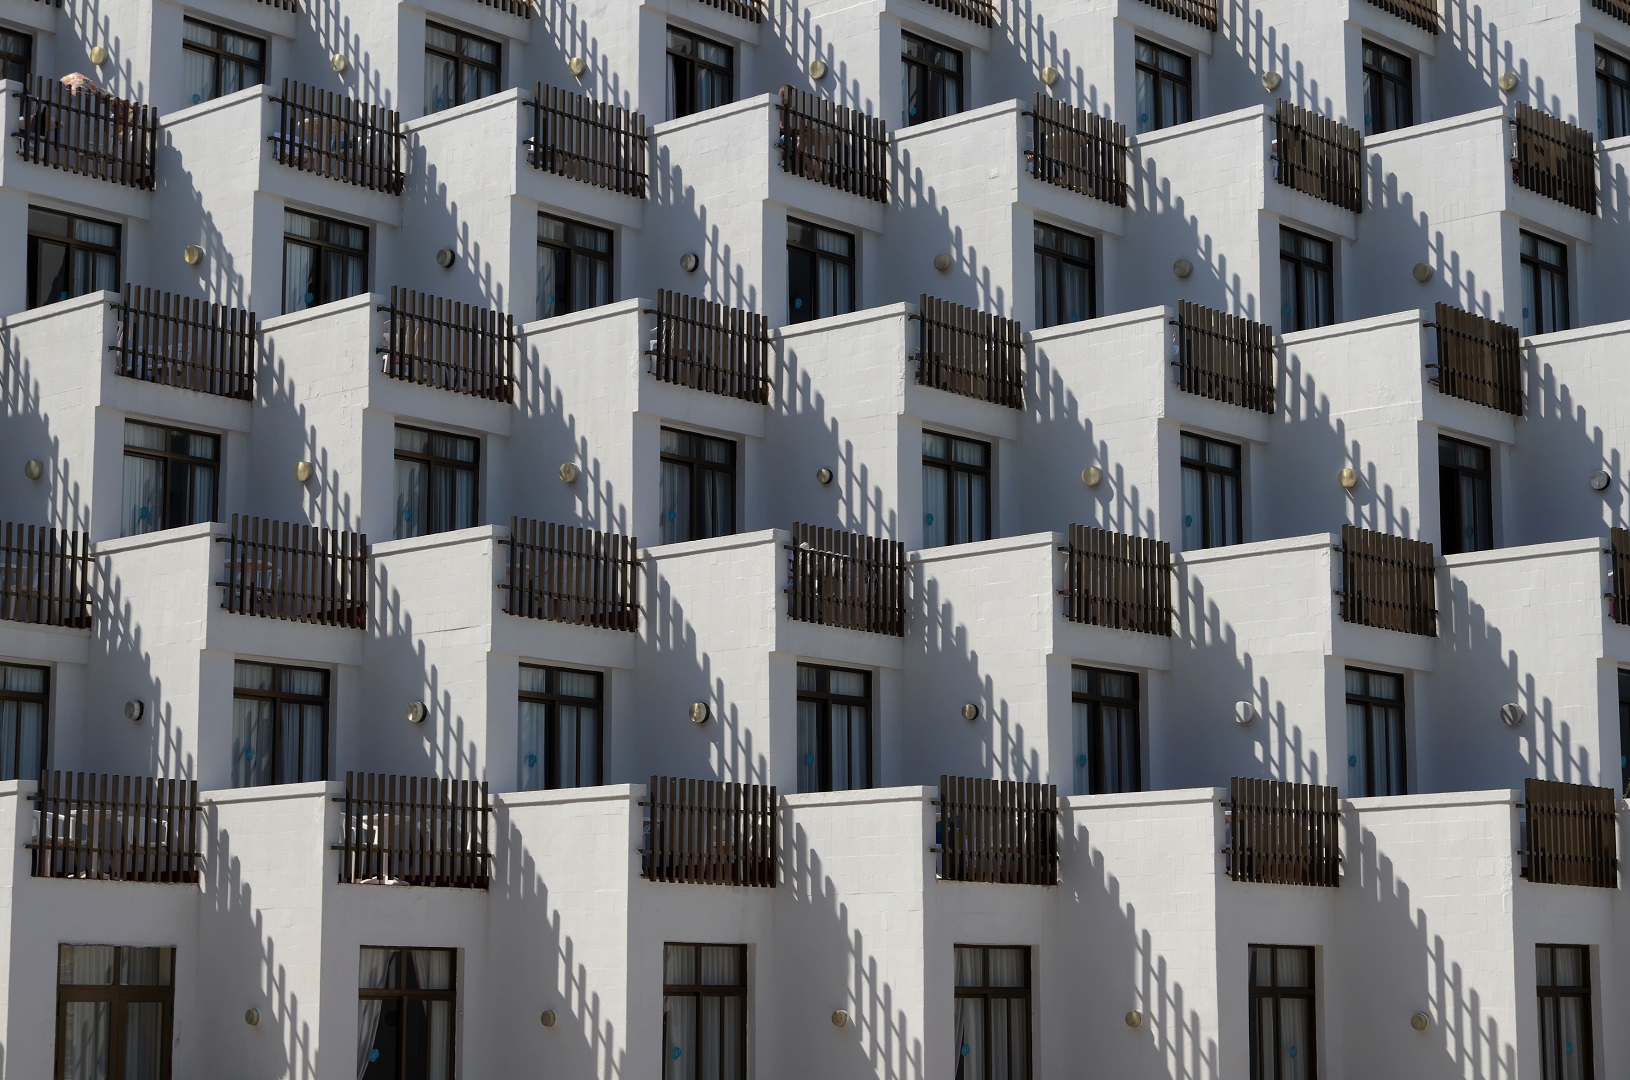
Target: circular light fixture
pixel 417 712
pixel 1420 1021
pixel 339 63
pixel 99 55
pixel 1423 272
pixel 942 262
pixel 698 712
pixel 1600 479
pixel 1050 76
pixel 817 70
pixel 577 66
pixel 444 258
pixel 33 468
pixel 134 710
pixel 1092 476
pixel 303 471
pixel 1182 268
pixel 192 254
pixel 548 1018
pixel 1512 714
pixel 1271 81
pixel 1508 81
pixel 1134 1019
pixel 688 262
pixel 569 473
pixel 1347 478
pixel 251 1017
pixel 970 711
pixel 823 476
pixel 1244 712
pixel 840 1019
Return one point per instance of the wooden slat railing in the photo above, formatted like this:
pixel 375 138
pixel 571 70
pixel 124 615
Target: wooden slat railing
pixel 1280 833
pixel 186 342
pixel 751 10
pixel 414 830
pixel 1571 836
pixel 437 342
pixel 1077 150
pixel 523 8
pixel 562 573
pixel 847 580
pixel 707 346
pixel 283 5
pixel 282 570
pixel 116 828
pixel 968 352
pixel 1388 582
pixel 1421 13
pixel 1000 831
pixel 1478 360
pixel 583 139
pixel 1119 581
pixel 978 11
pixel 1319 157
pixel 319 131
pixel 83 130
pixel 1554 158
pixel 45 576
pixel 710 832
pixel 1199 12
pixel 1618 596
pixel 1224 357
pixel 834 145
pixel 1619 9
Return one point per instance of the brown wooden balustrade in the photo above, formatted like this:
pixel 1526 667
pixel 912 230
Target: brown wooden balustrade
pixel 1554 158
pixel 1224 357
pixel 319 131
pixel 710 832
pixel 79 128
pixel 414 830
pixel 561 573
pixel 45 576
pixel 978 11
pixel 1000 831
pixel 968 352
pixel 1571 836
pixel 1280 833
pixel 282 570
pixel 1618 596
pixel 523 8
pixel 283 5
pixel 1619 9
pixel 1200 12
pixel 442 343
pixel 582 139
pixel 116 828
pixel 1077 150
pixel 834 145
pixel 847 580
pixel 1388 582
pixel 186 342
pixel 1421 13
pixel 1119 581
pixel 1479 360
pixel 751 10
pixel 707 346
pixel 1319 157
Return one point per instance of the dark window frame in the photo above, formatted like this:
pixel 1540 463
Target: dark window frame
pixel 1549 998
pixel 552 699
pixel 43 700
pixel 989 993
pixel 574 251
pixel 1624 730
pixel 72 244
pixel 1542 320
pixel 816 255
pixel 1261 1070
pixel 1206 468
pixel 700 990
pixel 696 462
pixel 223 56
pixel 438 467
pixel 688 70
pixel 172 461
pixel 824 697
pixel 938 81
pixel 405 994
pixel 1375 712
pixel 1324 274
pixel 324 246
pixel 1453 540
pixel 1182 84
pixel 118 997
pixel 461 61
pixel 951 467
pixel 1054 260
pixel 23 61
pixel 280 697
pixel 1378 80
pixel 1613 93
pixel 1097 698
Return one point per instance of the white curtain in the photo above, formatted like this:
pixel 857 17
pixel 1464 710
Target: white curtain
pixel 434 970
pixel 679 1021
pixel 529 747
pixel 373 973
pixel 143 1040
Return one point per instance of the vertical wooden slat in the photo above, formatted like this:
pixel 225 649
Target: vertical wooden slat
pixel 833 145
pixel 1283 833
pixel 1319 157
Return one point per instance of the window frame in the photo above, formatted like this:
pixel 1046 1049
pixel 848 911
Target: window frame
pixel 1324 276
pixel 573 251
pixel 1449 495
pixel 932 76
pixel 988 994
pixel 700 990
pixel 695 461
pixel 278 698
pixel 552 699
pixel 1277 994
pixel 437 466
pixel 118 996
pixel 1183 85
pixel 1053 260
pixel 824 697
pixel 1206 468
pixel 461 62
pixel 221 56
pixel 404 994
pixel 324 246
pixel 1097 698
pixel 170 460
pixel 1540 269
pixel 694 68
pixel 816 256
pixel 1377 80
pixel 1374 712
pixel 23 697
pixel 1624 730
pixel 72 244
pixel 951 468
pixel 24 58
pixel 1553 993
pixel 1608 88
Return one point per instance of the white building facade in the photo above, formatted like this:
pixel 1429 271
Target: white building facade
pixel 731 539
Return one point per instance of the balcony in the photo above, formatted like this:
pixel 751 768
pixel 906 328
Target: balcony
pixel 1319 157
pixel 522 8
pixel 978 11
pixel 710 832
pixel 847 580
pixel 1118 581
pixel 75 126
pixel 282 570
pixel 1001 832
pixel 1388 582
pixel 560 573
pixel 186 343
pixel 414 830
pixel 444 344
pixel 751 10
pixel 98 827
pixel 834 145
pixel 1421 13
pixel 602 145
pixel 1224 357
pixel 45 576
pixel 1282 833
pixel 706 346
pixel 1077 150
pixel 968 352
pixel 1618 599
pixel 1478 360
pixel 1619 9
pixel 321 132
pixel 1201 13
pixel 1571 835
pixel 1554 158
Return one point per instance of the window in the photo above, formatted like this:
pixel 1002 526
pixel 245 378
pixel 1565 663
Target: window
pixel 820 272
pixel 701 73
pixel 1282 1022
pixel 1307 280
pixel 1465 496
pixel 574 266
pixel 279 725
pixel 834 729
pixel 704 1012
pixel 436 481
pixel 323 260
pixel 698 486
pixel 956 490
pixel 1066 277
pixel 170 477
pixel 559 728
pixel 1389 90
pixel 1562 975
pixel 1544 285
pixel 1624 729
pixel 1211 497
pixel 992 1013
pixel 1165 87
pixel 215 61
pixel 24 698
pixel 1375 734
pixel 406 1004
pixel 1612 95
pixel 930 80
pixel 1108 743
pixel 458 67
pixel 16 55
pixel 115 1010
pixel 69 256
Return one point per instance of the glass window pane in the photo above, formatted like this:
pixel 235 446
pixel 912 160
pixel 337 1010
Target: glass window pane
pixel 86 1051
pixel 1007 966
pixel 721 965
pixel 85 965
pixel 851 683
pixel 679 965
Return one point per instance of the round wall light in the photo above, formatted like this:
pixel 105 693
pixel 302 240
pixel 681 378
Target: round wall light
pixel 1600 479
pixel 577 66
pixel 444 258
pixel 1134 1019
pixel 33 468
pixel 970 711
pixel 1092 476
pixel 417 711
pixel 339 63
pixel 942 262
pixel 569 472
pixel 1508 81
pixel 192 254
pixel 1050 76
pixel 1420 1021
pixel 1182 268
pixel 817 70
pixel 698 712
pixel 688 262
pixel 99 55
pixel 251 1017
pixel 823 476
pixel 840 1019
pixel 1423 272
pixel 1348 478
pixel 1244 712
pixel 1512 714
pixel 1271 81
pixel 134 711
pixel 303 471
pixel 548 1018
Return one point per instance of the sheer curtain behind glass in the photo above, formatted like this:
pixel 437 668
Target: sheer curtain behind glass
pixel 374 973
pixel 22 724
pixel 433 970
pixel 87 1048
pixel 253 727
pixel 144 1020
